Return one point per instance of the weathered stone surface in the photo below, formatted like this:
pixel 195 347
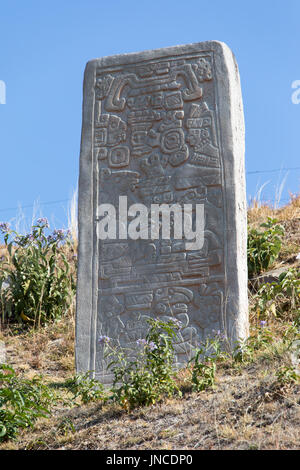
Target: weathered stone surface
pixel 162 126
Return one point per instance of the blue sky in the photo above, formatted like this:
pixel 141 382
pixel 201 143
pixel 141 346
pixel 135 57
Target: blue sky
pixel 45 46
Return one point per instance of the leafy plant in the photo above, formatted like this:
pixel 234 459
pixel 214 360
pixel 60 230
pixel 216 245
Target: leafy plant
pixel 204 363
pixel 286 376
pixel 40 284
pixel 264 246
pixel 149 377
pixel 260 338
pixel 88 389
pixel 65 426
pixel 21 402
pixel 280 299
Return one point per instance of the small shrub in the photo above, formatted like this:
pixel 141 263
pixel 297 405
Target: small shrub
pixel 260 338
pixel 40 283
pixel 146 379
pixel 264 247
pixel 287 376
pixel 204 363
pixel 65 426
pixel 86 388
pixel 280 299
pixel 21 402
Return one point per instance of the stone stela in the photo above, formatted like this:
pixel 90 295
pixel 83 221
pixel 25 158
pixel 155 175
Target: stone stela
pixel 162 127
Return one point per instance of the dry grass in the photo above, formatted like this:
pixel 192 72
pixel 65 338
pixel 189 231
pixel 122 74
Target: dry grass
pixel 246 410
pixel 49 351
pixel 259 212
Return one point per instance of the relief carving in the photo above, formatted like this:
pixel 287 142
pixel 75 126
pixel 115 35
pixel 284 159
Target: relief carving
pixel 156 141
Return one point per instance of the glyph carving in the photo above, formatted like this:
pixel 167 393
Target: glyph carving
pixel 159 136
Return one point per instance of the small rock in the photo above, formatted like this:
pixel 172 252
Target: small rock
pixel 5 284
pixel 2 352
pixel 295 355
pixel 56 343
pixel 267 277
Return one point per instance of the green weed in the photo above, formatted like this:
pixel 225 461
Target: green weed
pixel 145 380
pixel 280 299
pixel 86 388
pixel 40 283
pixel 21 402
pixel 286 375
pixel 264 246
pixel 204 363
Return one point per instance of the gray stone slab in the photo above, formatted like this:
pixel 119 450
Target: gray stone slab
pixel 162 126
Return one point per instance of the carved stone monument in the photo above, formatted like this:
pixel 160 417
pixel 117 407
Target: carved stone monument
pixel 162 127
